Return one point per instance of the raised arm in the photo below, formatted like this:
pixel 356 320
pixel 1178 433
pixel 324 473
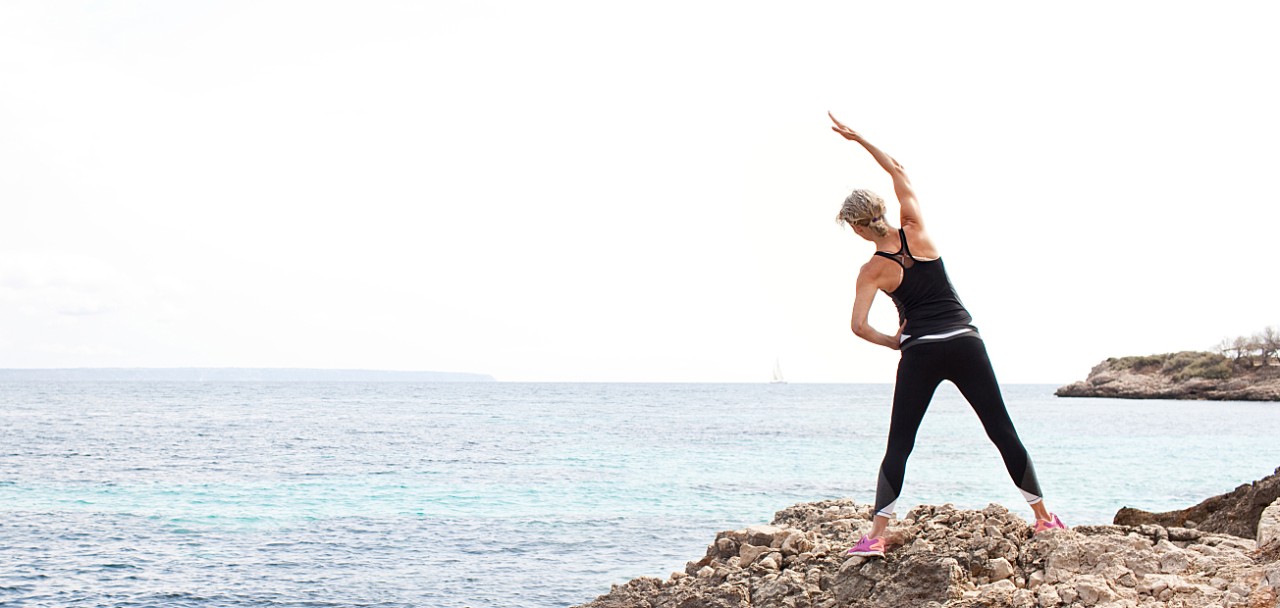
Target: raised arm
pixel 908 206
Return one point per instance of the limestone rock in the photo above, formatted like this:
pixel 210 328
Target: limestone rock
pixel 944 557
pixel 1269 524
pixel 1000 569
pixel 762 535
pixel 749 553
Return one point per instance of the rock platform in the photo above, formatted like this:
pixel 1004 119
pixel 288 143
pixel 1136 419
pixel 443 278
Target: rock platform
pixel 941 556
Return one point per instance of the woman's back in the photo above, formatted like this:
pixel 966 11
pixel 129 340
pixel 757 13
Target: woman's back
pixel 926 300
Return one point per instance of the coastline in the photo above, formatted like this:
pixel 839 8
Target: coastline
pixel 944 557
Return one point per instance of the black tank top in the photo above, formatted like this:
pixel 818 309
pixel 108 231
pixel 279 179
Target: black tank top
pixel 926 300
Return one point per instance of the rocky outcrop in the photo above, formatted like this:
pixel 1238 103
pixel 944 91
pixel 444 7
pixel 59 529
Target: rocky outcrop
pixel 1237 512
pixel 1185 375
pixel 1269 526
pixel 943 557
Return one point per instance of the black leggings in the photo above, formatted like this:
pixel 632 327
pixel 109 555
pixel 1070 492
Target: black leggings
pixel 923 367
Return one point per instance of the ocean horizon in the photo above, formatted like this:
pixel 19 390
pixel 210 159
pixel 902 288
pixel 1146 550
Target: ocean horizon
pixel 231 374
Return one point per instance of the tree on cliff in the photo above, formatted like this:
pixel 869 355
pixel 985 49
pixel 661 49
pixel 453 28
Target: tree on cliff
pixel 1269 340
pixel 1262 348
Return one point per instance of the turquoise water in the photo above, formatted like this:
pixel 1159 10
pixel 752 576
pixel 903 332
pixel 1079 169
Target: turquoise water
pixel 499 494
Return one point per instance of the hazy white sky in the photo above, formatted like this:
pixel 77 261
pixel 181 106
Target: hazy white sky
pixel 624 191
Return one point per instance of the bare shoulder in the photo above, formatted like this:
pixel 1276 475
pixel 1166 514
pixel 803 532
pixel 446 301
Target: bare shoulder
pixel 878 272
pixel 876 266
pixel 920 242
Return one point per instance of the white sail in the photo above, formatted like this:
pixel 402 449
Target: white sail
pixel 777 373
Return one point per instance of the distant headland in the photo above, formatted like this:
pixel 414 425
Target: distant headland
pixel 230 374
pixel 1184 375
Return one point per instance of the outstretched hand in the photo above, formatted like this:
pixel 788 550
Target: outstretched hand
pixel 844 131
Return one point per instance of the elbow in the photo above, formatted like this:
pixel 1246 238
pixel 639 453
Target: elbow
pixel 898 169
pixel 860 329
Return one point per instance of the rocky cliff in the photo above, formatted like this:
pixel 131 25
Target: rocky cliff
pixel 1185 375
pixel 1237 512
pixel 942 557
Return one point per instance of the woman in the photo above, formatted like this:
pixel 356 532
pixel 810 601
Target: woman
pixel 937 339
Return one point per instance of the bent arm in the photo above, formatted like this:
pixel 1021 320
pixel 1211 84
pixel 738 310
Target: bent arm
pixel 864 296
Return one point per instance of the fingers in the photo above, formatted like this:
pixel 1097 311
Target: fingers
pixel 846 133
pixel 841 128
pixel 839 124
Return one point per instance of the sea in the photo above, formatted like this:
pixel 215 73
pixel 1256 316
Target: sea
pixel 478 494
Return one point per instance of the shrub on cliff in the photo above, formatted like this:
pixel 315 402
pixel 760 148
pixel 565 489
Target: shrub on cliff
pixel 1180 366
pixel 1187 365
pixel 1141 364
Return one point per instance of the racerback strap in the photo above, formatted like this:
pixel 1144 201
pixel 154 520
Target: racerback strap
pixel 903 256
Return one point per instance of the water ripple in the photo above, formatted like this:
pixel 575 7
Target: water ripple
pixel 541 495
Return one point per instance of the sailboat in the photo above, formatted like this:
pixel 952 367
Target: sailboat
pixel 777 373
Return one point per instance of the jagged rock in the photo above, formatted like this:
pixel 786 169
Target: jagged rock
pixel 762 535
pixel 749 553
pixel 772 561
pixel 943 557
pixel 1236 512
pixel 795 542
pixel 1269 524
pixel 1049 596
pixel 1000 568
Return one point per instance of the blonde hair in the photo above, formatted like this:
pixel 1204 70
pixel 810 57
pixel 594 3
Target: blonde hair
pixel 864 208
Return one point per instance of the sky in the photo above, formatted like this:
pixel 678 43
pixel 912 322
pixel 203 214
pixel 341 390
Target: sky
pixel 614 191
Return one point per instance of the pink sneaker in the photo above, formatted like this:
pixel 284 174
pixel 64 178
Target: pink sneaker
pixel 1049 524
pixel 868 547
